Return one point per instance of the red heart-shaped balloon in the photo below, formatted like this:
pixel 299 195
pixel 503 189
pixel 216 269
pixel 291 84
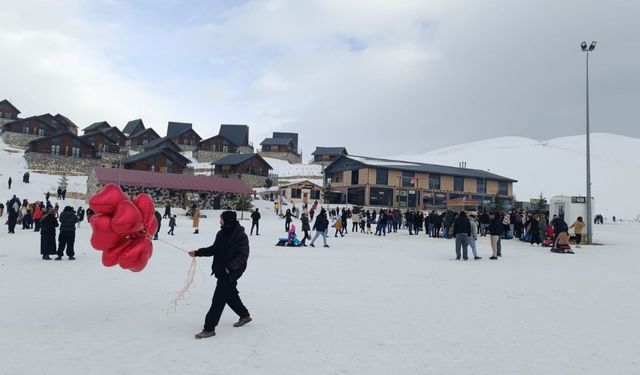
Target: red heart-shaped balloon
pixel 136 256
pixel 102 236
pixel 145 205
pixel 107 199
pixel 127 219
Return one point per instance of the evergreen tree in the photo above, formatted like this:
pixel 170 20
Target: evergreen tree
pixel 63 183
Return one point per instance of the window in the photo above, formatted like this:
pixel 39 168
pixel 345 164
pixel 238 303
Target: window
pixel 356 196
pixel 382 177
pixel 75 152
pixel 408 179
pixel 144 142
pixel 315 194
pixel 434 182
pixel 481 185
pixel 25 129
pixel 458 183
pixel 169 166
pixel 354 177
pixel 336 177
pixel 41 132
pixel 296 193
pixel 503 188
pixel 225 148
pixel 55 149
pixel 381 197
pixel 151 164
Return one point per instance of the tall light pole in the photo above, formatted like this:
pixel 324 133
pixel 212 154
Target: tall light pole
pixel 589 223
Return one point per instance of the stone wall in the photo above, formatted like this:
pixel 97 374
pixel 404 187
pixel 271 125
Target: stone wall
pixel 245 150
pixel 203 156
pixel 56 164
pixel 175 198
pixel 288 156
pixel 18 139
pixel 185 148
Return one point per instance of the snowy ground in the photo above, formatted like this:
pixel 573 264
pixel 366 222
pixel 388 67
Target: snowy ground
pixel 367 305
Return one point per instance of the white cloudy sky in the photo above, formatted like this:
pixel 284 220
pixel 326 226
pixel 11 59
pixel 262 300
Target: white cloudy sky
pixel 380 77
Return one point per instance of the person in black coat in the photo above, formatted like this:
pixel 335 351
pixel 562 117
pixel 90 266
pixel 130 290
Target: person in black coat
pixel 48 225
pixel 80 215
pixel 67 237
pixel 306 228
pixel 462 232
pixel 167 211
pixel 159 220
pixel 321 225
pixel 255 222
pixel 13 218
pixel 495 231
pixel 230 252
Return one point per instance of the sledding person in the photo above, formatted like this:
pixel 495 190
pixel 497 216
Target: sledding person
pixel 462 232
pixel 48 225
pixel 578 226
pixel 255 222
pixel 230 252
pixel 172 225
pixel 196 219
pixel 321 226
pixel 159 220
pixel 67 237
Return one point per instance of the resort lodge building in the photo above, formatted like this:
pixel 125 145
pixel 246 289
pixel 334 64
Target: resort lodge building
pixel 366 181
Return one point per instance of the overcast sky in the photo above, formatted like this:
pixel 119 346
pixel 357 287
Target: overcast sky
pixel 379 77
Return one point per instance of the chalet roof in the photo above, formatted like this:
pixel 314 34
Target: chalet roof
pixel 101 131
pixel 175 129
pixel 161 143
pixel 27 119
pixel 6 102
pixel 277 142
pixel 238 134
pixel 219 136
pixel 350 162
pixel 112 129
pixel 147 154
pixel 145 131
pixel 236 159
pixel 65 121
pixel 133 125
pixel 96 125
pixel 293 136
pixel 176 181
pixel 59 134
pixel 331 151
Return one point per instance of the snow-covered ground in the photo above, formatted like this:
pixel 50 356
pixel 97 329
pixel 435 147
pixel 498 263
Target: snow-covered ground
pixel 556 167
pixel 284 169
pixel 367 305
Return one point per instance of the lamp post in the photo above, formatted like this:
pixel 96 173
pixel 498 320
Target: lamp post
pixel 589 223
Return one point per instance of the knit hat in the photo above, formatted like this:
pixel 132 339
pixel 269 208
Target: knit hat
pixel 229 217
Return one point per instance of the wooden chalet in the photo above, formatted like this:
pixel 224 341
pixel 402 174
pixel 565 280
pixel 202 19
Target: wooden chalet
pixel 63 143
pixel 252 164
pixel 140 139
pixel 183 134
pixel 33 125
pixel 164 142
pixel 163 160
pixel 218 143
pixel 8 112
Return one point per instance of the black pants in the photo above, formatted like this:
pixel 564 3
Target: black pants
pixel 256 225
pixel 12 226
pixel 66 240
pixel 226 293
pixel 47 245
pixel 578 239
pixel 354 227
pixel 286 226
pixel 170 230
pixel 37 226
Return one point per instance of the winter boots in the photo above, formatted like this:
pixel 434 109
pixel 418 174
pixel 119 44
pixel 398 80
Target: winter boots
pixel 205 334
pixel 196 231
pixel 242 321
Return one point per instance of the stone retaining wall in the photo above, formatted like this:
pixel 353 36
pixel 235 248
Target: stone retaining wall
pixel 291 158
pixel 208 156
pixel 18 139
pixel 56 164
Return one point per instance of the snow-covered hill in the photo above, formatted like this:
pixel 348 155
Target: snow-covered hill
pixel 555 167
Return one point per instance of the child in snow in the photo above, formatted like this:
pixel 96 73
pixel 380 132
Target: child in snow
pixel 172 225
pixel 338 228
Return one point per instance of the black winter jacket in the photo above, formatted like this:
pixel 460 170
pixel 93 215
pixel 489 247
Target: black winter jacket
pixel 230 250
pixel 462 225
pixel 68 220
pixel 322 223
pixel 48 225
pixel 496 227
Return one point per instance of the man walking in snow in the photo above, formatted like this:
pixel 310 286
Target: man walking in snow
pixel 230 252
pixel 67 236
pixel 255 222
pixel 321 226
pixel 10 182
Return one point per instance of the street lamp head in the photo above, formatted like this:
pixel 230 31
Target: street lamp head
pixel 584 46
pixel 593 45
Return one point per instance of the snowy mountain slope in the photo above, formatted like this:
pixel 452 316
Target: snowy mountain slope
pixel 555 167
pixel 284 169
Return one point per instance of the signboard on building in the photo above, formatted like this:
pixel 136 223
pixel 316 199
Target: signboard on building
pixel 578 199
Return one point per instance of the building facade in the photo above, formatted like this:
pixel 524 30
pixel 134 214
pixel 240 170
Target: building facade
pixel 327 155
pixel 369 181
pixel 302 192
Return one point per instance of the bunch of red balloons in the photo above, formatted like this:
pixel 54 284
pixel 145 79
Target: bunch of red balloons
pixel 122 229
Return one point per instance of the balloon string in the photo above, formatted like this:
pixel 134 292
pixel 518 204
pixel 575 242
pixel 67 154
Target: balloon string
pixel 180 295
